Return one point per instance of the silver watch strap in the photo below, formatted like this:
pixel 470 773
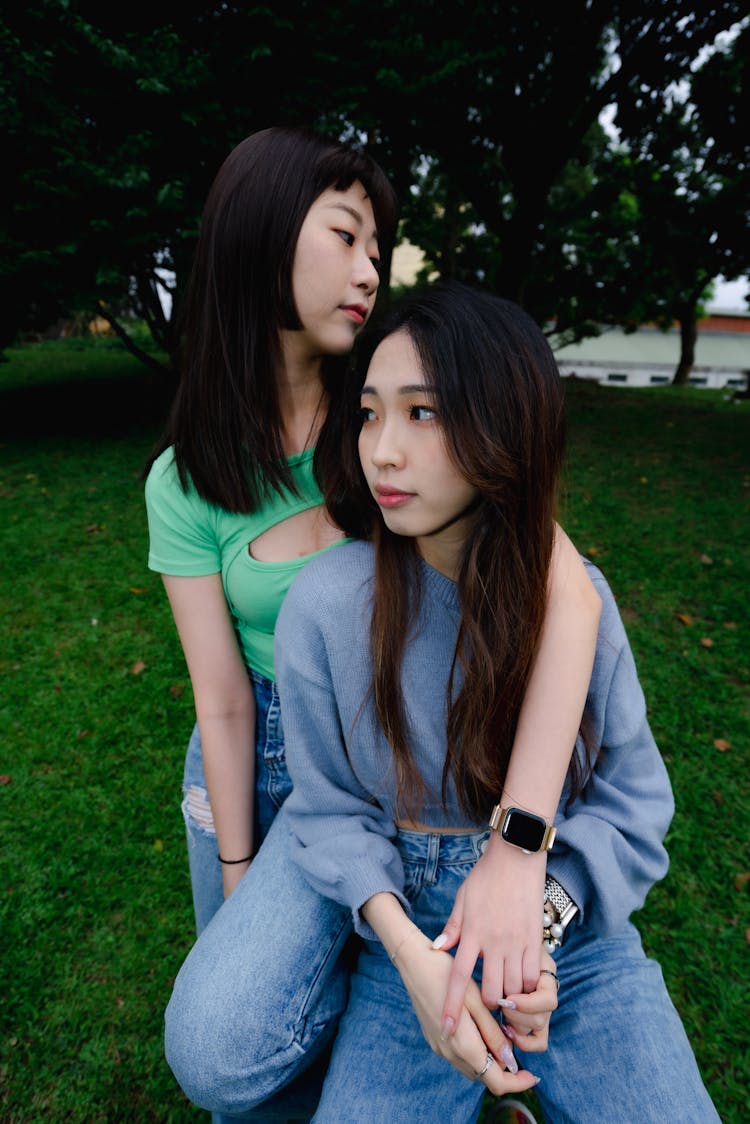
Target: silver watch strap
pixel 565 910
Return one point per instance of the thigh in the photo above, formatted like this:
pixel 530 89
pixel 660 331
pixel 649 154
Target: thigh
pixel 381 1068
pixel 617 1049
pixel 203 851
pixel 261 990
pixel 272 786
pixel 272 781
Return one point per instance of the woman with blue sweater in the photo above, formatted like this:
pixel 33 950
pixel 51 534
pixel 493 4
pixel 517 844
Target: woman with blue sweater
pixel 295 232
pixel 401 663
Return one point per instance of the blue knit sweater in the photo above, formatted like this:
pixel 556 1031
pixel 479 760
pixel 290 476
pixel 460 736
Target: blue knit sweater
pixel 609 849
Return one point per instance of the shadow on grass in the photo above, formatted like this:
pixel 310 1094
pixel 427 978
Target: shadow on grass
pixel 84 408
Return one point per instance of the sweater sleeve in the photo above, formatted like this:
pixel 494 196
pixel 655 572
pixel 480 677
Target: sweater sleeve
pixel 341 838
pixel 609 849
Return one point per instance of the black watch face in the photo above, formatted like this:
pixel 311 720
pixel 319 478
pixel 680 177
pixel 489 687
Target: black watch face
pixel 523 830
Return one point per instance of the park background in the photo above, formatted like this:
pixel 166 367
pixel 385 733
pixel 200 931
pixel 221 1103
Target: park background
pixel 590 163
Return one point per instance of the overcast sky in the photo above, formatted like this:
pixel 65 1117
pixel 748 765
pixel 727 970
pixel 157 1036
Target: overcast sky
pixel 730 295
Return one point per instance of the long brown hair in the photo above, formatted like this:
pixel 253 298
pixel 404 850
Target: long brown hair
pixel 499 397
pixel 225 422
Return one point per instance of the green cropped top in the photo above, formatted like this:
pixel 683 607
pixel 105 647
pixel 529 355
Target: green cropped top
pixel 189 537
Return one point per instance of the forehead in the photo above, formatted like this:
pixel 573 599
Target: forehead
pixel 394 362
pixel 353 200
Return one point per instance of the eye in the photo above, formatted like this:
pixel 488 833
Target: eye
pixel 345 236
pixel 422 413
pixel 366 414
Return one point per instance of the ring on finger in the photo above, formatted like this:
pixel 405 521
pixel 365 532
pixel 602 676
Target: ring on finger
pixel 489 1061
pixel 549 972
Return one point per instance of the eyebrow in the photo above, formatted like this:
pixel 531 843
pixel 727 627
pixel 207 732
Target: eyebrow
pixel 355 214
pixel 412 388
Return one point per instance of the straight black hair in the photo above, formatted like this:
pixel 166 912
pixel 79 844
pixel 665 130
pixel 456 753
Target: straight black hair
pixel 225 422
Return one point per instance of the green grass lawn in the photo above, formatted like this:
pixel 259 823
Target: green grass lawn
pixel 96 709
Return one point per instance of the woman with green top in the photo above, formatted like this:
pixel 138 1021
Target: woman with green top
pixel 286 273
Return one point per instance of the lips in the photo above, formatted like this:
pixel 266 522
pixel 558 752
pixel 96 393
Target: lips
pixel 391 497
pixel 357 312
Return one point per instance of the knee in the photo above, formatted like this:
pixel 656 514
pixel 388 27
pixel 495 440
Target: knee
pixel 190 1053
pixel 222 1058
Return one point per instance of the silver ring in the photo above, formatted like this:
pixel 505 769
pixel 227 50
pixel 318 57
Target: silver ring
pixel 490 1061
pixel 548 972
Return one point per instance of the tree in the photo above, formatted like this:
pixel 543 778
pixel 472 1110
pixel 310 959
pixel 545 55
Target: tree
pixel 498 110
pixel 118 120
pixel 116 125
pixel 689 172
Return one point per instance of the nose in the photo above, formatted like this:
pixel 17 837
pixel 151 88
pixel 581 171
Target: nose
pixel 366 276
pixel 388 448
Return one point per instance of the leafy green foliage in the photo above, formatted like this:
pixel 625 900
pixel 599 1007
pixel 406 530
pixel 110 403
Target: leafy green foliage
pixel 485 116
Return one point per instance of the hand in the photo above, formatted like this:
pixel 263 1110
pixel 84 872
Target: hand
pixel 527 1025
pixel 497 915
pixel 476 1033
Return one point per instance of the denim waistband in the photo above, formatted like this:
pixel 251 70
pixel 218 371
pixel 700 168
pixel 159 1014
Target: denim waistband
pixel 261 680
pixel 424 846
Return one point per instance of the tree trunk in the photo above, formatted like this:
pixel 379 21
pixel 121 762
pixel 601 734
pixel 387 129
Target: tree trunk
pixel 688 334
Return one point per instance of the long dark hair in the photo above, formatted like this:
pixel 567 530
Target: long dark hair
pixel 499 397
pixel 225 422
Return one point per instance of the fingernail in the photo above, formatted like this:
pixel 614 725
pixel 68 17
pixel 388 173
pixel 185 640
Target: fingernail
pixel 507 1031
pixel 448 1027
pixel 507 1055
pixel 440 941
pixel 536 1079
pixel 508 1003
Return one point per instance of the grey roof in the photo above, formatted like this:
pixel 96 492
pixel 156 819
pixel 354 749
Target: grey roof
pixel 651 347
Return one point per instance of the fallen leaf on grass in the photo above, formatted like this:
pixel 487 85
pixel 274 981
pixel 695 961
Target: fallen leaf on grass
pixel 707 560
pixel 93 528
pixel 707 642
pixel 5 779
pixel 177 690
pixel 742 880
pixel 722 745
pixel 685 618
pixel 137 667
pixel 730 624
pixel 136 589
pixel 158 845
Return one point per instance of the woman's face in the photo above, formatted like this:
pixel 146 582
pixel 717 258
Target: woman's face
pixel 418 488
pixel 335 276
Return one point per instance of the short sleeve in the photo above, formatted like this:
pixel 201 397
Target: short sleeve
pixel 182 538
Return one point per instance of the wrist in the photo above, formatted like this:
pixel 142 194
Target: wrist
pixel 525 830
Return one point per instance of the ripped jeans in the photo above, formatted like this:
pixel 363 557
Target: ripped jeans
pixel 297 1101
pixel 263 990
pixel 272 786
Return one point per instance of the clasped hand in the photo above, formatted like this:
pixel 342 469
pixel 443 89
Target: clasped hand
pixel 465 1043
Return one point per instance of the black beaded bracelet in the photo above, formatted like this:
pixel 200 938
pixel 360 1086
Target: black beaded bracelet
pixel 233 862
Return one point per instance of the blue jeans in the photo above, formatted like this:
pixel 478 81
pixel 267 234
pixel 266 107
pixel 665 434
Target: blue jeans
pixel 272 785
pixel 263 988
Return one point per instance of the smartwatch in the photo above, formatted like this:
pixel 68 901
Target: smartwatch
pixel 523 829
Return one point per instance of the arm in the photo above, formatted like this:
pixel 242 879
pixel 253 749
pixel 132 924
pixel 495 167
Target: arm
pixel 609 849
pixel 425 973
pixel 225 709
pixel 498 911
